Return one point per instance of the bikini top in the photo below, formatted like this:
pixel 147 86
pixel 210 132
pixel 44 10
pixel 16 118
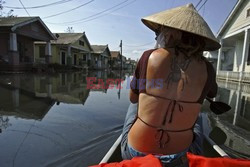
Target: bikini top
pixel 140 73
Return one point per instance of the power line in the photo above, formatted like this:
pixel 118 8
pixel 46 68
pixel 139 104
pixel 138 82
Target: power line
pixel 106 13
pixel 68 10
pixel 203 13
pixel 202 5
pixel 198 3
pixel 24 7
pixel 41 6
pixel 91 16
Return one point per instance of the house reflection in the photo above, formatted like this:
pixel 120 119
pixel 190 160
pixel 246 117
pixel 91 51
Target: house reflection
pixel 104 80
pixel 65 87
pixel 32 96
pixel 236 122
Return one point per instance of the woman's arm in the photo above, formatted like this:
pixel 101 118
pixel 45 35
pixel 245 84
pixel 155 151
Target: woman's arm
pixel 133 97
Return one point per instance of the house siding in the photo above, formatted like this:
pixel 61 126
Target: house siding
pixel 35 31
pixel 85 47
pixel 239 20
pixel 55 52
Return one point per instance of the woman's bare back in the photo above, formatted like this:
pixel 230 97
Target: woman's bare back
pixel 155 104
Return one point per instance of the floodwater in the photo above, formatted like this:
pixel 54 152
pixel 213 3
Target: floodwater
pixel 234 124
pixel 57 120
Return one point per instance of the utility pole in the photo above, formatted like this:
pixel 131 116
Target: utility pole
pixel 121 53
pixel 120 80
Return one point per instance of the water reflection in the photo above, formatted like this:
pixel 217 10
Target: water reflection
pixel 236 122
pixel 55 120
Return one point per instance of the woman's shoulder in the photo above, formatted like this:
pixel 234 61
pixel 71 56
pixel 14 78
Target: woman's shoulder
pixel 159 56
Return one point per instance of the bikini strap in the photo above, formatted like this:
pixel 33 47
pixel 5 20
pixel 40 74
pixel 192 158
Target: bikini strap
pixel 161 129
pixel 170 99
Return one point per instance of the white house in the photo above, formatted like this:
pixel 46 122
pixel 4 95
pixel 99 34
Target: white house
pixel 234 55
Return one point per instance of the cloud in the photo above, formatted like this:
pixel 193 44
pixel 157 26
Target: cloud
pixel 136 51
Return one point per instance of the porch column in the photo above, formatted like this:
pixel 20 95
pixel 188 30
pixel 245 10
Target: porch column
pixel 49 87
pixel 219 57
pixel 48 54
pixel 69 57
pixel 244 53
pixel 13 53
pixel 238 103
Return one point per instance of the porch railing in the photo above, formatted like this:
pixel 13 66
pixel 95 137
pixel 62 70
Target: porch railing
pixel 242 87
pixel 246 77
pixel 234 76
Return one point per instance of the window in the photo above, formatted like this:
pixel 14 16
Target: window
pixel 42 51
pixel 248 12
pixel 84 57
pixel 81 43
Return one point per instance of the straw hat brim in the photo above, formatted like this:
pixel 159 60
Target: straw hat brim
pixel 184 18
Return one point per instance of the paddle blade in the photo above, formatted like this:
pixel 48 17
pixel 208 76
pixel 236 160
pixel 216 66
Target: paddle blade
pixel 218 107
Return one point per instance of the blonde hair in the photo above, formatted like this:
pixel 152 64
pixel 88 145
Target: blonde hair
pixel 187 43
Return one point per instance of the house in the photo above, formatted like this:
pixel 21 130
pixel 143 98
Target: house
pixel 130 64
pixel 17 36
pixel 234 55
pixel 124 59
pixel 100 57
pixel 115 61
pixel 72 49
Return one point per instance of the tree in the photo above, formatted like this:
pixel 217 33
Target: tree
pixel 70 30
pixel 2 13
pixel 1 7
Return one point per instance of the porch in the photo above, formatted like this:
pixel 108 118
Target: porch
pixel 234 57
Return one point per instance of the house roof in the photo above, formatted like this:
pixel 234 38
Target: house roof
pixel 13 23
pixel 230 17
pixel 115 54
pixel 66 38
pixel 99 48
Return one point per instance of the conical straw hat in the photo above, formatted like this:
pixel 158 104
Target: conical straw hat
pixel 184 18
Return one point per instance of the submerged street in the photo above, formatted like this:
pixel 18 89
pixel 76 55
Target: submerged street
pixel 54 120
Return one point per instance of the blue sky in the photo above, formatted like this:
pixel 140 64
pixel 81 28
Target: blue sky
pixel 123 22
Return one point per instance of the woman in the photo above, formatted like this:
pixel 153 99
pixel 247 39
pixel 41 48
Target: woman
pixel 170 84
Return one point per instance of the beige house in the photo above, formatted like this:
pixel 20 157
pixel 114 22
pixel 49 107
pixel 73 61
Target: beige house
pixel 72 49
pixel 100 57
pixel 234 55
pixel 17 36
pixel 115 61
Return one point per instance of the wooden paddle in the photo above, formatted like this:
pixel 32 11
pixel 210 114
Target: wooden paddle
pixel 218 107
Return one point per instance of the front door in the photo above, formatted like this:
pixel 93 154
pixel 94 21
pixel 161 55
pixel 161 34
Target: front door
pixel 74 59
pixel 63 57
